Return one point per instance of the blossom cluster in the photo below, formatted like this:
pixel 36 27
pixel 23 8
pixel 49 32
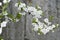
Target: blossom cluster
pixel 36 12
pixel 3 24
pixel 40 27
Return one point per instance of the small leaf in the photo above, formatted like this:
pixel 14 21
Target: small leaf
pixel 42 14
pixel 51 18
pixel 11 17
pixel 39 31
pixel 34 20
pixel 19 3
pixel 18 16
pixel 45 23
pixel 1 37
pixel 1 16
pixel 5 12
pixel 37 7
pixel 22 9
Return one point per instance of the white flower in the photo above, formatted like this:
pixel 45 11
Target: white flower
pixel 53 26
pixel 35 27
pixel 6 1
pixel 45 26
pixel 44 31
pixel 0 3
pixel 19 8
pixel 37 16
pixel 22 5
pixel 23 13
pixel 49 28
pixel 31 9
pixel 40 25
pixel 40 12
pixel 0 30
pixel 38 33
pixel 57 25
pixel 33 13
pixel 33 24
pixel 16 4
pixel 25 9
pixel 17 20
pixel 36 19
pixel 46 20
pixel 9 1
pixel 3 24
pixel 5 13
pixel 49 23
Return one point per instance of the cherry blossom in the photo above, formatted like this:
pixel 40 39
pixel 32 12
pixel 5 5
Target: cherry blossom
pixel 6 1
pixel 3 24
pixel 0 30
pixel 0 3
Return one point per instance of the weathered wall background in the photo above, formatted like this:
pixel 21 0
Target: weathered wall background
pixel 22 30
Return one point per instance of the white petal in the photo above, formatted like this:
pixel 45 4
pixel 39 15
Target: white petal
pixel 16 5
pixel 49 28
pixel 0 3
pixel 25 9
pixel 40 25
pixel 30 9
pixel 39 12
pixel 35 27
pixel 4 1
pixel 44 31
pixel 23 13
pixel 53 26
pixel 37 16
pixel 3 24
pixel 49 23
pixel 46 20
pixel 38 33
pixel 0 30
pixel 9 0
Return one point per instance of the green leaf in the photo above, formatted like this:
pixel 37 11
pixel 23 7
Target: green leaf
pixel 18 16
pixel 5 12
pixel 39 31
pixel 12 17
pixel 19 3
pixel 22 9
pixel 37 7
pixel 4 6
pixel 45 23
pixel 1 16
pixel 51 18
pixel 34 20
pixel 1 37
